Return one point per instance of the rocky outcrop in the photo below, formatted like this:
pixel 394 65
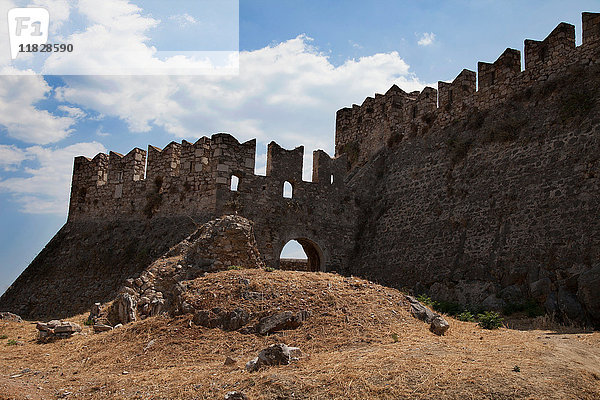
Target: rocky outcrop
pixel 217 245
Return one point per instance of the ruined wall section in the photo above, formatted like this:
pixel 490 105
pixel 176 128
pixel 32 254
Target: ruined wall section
pixel 362 131
pixel 321 211
pixel 194 180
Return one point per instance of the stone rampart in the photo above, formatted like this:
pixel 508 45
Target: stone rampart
pixel 362 131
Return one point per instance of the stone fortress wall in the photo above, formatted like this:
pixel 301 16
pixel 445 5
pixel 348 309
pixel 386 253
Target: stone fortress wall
pixel 363 130
pixel 194 179
pixel 491 196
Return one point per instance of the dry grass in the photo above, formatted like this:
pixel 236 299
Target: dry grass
pixel 348 345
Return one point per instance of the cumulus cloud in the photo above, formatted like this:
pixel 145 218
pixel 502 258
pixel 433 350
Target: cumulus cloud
pixel 19 94
pixel 73 112
pixel 426 39
pixel 11 157
pixel 289 91
pixel 59 10
pixel 46 188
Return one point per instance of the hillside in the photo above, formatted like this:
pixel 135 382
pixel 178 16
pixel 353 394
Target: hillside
pixel 348 342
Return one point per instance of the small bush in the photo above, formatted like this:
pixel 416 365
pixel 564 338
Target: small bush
pixel 395 337
pixel 3 337
pixel 269 269
pixel 88 322
pixel 424 299
pixel 234 268
pixel 517 368
pixel 489 320
pixel 466 316
pixel 11 342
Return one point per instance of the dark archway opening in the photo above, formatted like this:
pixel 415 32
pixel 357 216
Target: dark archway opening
pixel 301 254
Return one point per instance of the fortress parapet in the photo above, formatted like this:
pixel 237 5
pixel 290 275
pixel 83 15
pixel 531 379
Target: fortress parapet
pixel 194 178
pixel 362 130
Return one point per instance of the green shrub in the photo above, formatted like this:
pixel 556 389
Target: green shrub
pixel 11 342
pixel 489 320
pixel 269 269
pixel 466 316
pixel 425 300
pixel 234 268
pixel 3 337
pixel 395 337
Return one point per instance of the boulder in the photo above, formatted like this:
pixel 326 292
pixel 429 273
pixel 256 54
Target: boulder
pixel 280 322
pixel 7 316
pixel 419 311
pixel 277 354
pixel 512 294
pixel 439 325
pixel 493 302
pixel 56 330
pixel 540 289
pixel 569 306
pixel 126 308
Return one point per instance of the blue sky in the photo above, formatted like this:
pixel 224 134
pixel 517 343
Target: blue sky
pixel 300 61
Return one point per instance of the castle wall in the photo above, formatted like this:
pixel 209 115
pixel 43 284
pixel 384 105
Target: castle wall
pixel 496 205
pixel 361 131
pixel 194 180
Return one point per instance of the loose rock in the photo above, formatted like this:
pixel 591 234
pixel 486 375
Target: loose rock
pixel 235 396
pixel 280 321
pixel 7 316
pixel 277 354
pixel 56 330
pixel 439 325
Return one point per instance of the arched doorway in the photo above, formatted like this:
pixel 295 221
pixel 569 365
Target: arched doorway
pixel 301 254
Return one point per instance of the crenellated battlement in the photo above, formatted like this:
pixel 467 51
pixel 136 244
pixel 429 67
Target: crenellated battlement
pixel 362 130
pixel 194 178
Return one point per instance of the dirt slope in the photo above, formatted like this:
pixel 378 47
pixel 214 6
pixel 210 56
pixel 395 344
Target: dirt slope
pixel 349 347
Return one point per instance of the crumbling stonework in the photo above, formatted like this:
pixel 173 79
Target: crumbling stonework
pixel 217 245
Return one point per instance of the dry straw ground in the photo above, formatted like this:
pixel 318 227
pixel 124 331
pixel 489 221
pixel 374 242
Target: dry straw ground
pixel 350 348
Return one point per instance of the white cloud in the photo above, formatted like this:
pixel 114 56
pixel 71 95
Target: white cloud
pixel 46 189
pixel 59 10
pixel 73 112
pixel 288 91
pixel 19 114
pixel 11 157
pixel 427 39
pixel 184 20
